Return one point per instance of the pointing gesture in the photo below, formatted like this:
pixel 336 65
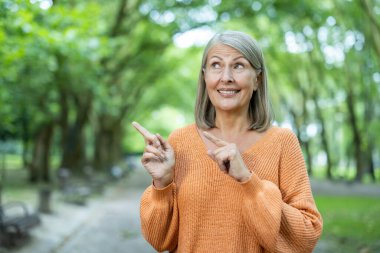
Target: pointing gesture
pixel 218 142
pixel 150 139
pixel 228 158
pixel 158 157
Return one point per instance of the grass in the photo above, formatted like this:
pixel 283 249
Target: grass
pixel 344 174
pixel 17 188
pixel 14 161
pixel 351 224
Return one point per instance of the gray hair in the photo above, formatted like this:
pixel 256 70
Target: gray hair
pixel 259 111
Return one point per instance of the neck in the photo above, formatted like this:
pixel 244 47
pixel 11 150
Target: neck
pixel 231 125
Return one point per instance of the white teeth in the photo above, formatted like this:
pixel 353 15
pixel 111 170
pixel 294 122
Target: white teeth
pixel 228 92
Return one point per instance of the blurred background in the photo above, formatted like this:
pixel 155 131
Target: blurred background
pixel 75 74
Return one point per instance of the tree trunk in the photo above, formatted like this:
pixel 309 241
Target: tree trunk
pixel 357 139
pixel 370 134
pixel 306 143
pixel 303 143
pixel 2 177
pixel 108 146
pixel 25 136
pixel 324 139
pixel 39 168
pixel 371 163
pixel 64 122
pixel 319 114
pixel 73 149
pixel 72 136
pixel 73 153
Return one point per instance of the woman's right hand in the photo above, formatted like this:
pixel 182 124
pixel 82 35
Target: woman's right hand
pixel 158 157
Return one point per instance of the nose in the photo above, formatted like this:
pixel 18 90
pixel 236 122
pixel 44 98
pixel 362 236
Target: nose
pixel 227 75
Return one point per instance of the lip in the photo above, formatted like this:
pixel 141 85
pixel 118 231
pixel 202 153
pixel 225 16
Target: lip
pixel 228 93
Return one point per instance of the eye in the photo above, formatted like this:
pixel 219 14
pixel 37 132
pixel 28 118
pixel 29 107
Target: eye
pixel 215 65
pixel 239 65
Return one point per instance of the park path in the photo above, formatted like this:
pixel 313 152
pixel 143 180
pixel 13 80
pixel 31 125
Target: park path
pixel 114 225
pixel 110 223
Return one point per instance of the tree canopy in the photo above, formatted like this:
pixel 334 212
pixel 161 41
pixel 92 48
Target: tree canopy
pixel 74 74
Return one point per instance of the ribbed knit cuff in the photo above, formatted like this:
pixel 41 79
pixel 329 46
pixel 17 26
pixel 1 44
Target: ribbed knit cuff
pixel 160 194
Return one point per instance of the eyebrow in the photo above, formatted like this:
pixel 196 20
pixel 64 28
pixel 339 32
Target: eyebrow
pixel 220 58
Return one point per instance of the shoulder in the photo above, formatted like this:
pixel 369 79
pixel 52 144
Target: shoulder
pixel 283 131
pixel 284 135
pixel 287 140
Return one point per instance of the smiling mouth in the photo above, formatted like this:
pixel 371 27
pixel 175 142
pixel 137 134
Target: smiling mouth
pixel 228 92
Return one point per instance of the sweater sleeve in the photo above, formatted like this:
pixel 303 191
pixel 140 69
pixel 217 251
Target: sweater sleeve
pixel 283 218
pixel 159 217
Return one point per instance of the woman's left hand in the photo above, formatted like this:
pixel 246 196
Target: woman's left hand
pixel 228 158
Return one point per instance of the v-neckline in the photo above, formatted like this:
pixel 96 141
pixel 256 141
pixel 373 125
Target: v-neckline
pixel 253 146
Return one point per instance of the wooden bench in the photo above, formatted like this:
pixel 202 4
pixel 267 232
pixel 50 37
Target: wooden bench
pixel 96 183
pixel 15 223
pixel 71 192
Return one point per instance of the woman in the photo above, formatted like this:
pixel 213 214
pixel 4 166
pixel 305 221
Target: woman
pixel 232 182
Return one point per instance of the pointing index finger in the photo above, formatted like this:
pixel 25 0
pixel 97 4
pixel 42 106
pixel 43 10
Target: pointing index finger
pixel 142 130
pixel 218 142
pixel 148 136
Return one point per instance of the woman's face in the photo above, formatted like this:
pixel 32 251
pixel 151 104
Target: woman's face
pixel 230 79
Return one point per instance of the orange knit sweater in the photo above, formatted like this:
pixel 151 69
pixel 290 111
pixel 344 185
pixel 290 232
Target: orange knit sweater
pixel 204 210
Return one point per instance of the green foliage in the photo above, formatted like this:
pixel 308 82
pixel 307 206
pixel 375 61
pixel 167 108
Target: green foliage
pixel 352 223
pixel 163 121
pixel 75 58
pixel 41 47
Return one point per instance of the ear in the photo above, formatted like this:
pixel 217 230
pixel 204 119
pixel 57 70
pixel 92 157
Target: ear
pixel 257 81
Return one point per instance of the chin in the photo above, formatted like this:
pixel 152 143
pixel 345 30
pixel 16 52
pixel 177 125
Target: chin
pixel 230 108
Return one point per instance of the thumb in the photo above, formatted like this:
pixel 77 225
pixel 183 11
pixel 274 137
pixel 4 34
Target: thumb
pixel 210 153
pixel 164 144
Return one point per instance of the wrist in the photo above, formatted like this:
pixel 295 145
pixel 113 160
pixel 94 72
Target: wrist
pixel 245 177
pixel 163 182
